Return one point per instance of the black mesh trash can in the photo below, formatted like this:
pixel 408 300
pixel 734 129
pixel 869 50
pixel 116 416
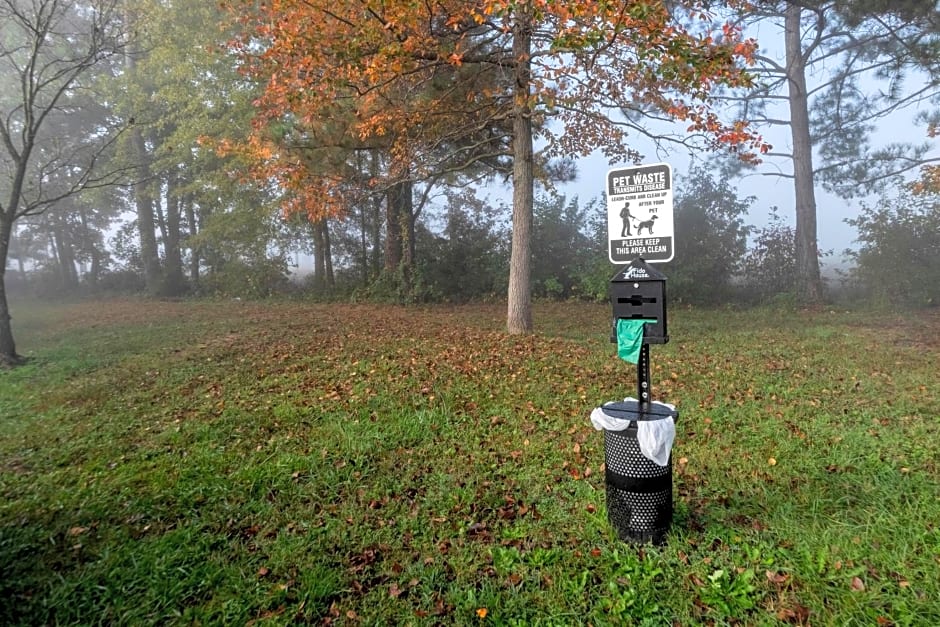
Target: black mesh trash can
pixel 639 491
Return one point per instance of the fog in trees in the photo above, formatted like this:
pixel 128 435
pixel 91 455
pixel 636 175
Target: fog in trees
pixel 54 132
pixel 828 73
pixel 128 168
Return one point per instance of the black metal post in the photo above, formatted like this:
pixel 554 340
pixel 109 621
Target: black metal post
pixel 643 391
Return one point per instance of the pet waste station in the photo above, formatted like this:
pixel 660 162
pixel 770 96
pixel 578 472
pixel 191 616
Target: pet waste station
pixel 638 431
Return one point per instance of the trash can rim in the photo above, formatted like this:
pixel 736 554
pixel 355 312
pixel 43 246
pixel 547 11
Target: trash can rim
pixel 634 410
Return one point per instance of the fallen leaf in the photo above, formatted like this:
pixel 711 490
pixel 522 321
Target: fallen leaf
pixel 264 571
pixel 798 614
pixel 777 577
pixel 857 584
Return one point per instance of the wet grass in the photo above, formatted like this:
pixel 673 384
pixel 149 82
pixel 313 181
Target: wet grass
pixel 235 463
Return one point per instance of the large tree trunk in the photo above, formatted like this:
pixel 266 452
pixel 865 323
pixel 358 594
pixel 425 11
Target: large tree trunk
pixel 8 354
pixel 144 196
pixel 807 248
pixel 519 311
pixel 406 222
pixel 392 231
pixel 363 244
pixel 173 283
pixel 376 225
pixel 328 256
pixel 400 233
pixel 64 255
pixel 375 268
pixel 193 250
pixel 146 226
pixel 90 248
pixel 322 264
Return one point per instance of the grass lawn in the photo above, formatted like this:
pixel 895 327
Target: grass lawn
pixel 274 463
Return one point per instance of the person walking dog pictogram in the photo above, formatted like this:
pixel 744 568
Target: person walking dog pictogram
pixel 626 216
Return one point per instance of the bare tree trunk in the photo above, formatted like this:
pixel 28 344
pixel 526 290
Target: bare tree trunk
pixel 64 255
pixel 319 254
pixel 90 248
pixel 376 225
pixel 144 199
pixel 193 250
pixel 158 216
pixel 363 244
pixel 392 231
pixel 8 354
pixel 807 247
pixel 519 311
pixel 328 256
pixel 173 282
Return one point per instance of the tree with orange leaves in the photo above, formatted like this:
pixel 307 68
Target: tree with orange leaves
pixel 440 86
pixel 929 182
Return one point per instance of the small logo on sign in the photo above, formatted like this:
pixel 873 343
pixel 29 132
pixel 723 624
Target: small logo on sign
pixel 636 273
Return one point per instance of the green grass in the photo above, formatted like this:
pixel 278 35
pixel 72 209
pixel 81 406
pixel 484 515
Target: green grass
pixel 236 463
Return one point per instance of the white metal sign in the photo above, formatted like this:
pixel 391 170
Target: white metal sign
pixel 639 213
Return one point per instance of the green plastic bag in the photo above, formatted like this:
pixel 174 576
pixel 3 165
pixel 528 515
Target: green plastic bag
pixel 630 338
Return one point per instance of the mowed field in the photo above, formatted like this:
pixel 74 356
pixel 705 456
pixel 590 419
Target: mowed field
pixel 285 462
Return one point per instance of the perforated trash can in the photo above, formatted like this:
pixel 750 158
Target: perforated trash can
pixel 639 491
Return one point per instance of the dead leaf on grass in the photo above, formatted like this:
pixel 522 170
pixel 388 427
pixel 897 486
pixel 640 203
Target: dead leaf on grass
pixel 777 578
pixel 798 614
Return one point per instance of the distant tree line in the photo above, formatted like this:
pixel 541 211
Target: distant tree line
pixel 461 253
pixel 142 152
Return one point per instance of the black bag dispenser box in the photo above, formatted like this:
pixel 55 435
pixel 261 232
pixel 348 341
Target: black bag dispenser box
pixel 638 291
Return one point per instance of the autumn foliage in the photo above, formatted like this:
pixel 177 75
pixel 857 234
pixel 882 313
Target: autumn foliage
pixel 433 86
pixel 929 182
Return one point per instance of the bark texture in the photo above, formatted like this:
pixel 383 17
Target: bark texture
pixel 519 311
pixel 809 280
